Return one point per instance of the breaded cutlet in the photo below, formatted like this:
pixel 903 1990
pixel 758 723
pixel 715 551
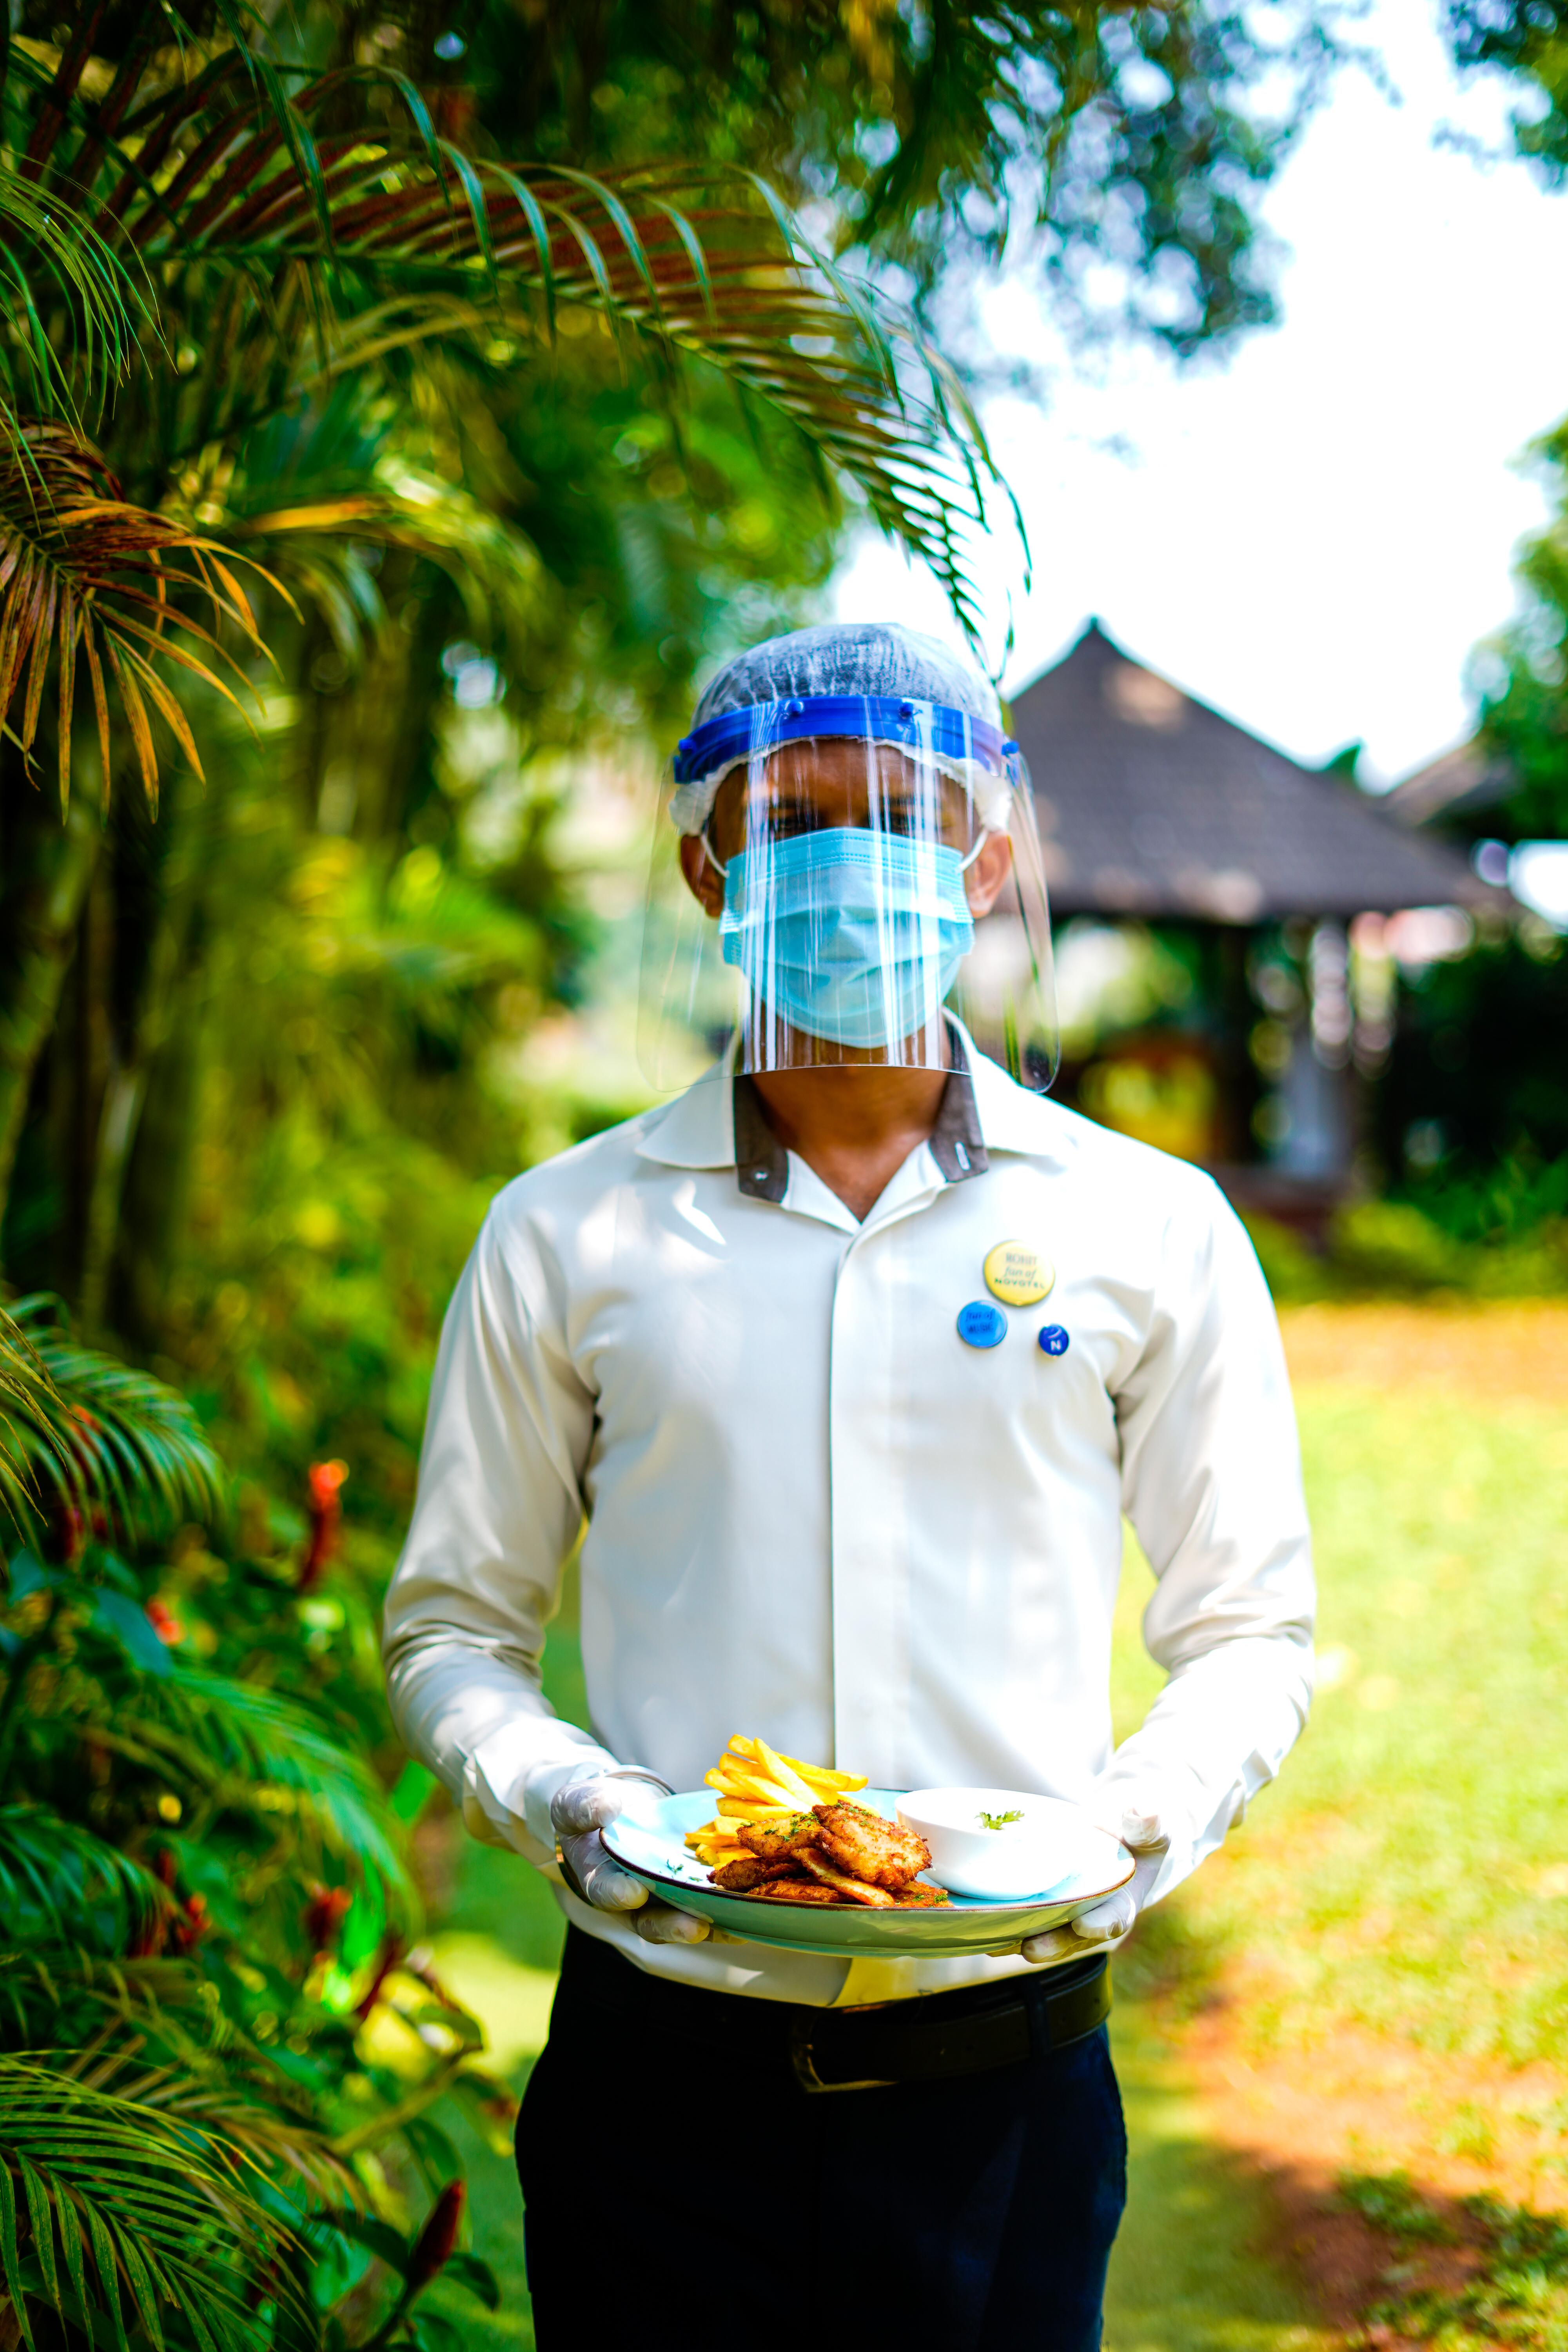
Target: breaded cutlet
pixel 863 1845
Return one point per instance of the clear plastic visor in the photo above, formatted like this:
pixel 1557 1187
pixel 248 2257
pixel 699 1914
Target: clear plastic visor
pixel 845 897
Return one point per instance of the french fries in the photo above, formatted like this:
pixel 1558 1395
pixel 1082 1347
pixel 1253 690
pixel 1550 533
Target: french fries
pixel 755 1784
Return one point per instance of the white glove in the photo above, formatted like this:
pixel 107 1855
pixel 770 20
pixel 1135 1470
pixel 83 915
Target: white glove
pixel 577 1813
pixel 1148 1841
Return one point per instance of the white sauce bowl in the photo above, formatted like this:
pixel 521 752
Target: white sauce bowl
pixel 1049 1843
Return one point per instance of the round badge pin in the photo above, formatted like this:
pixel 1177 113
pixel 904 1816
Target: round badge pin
pixel 1054 1340
pixel 1017 1275
pixel 981 1325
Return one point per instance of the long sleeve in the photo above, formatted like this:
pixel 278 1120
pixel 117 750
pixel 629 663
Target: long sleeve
pixel 498 1506
pixel 1212 1484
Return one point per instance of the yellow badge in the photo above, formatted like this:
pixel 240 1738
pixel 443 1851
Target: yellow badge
pixel 1017 1275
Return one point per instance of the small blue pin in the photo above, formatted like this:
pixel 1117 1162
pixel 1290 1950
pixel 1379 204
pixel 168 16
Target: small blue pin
pixel 1055 1341
pixel 981 1325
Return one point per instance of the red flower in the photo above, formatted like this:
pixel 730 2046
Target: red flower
pixel 324 1916
pixel 192 1924
pixel 326 1518
pixel 164 1622
pixel 436 2242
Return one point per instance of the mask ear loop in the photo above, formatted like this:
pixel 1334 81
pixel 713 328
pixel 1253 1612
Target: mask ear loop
pixel 985 832
pixel 711 854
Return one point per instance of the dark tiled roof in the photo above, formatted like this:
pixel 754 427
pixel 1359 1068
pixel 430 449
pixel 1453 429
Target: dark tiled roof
pixel 1152 804
pixel 1460 783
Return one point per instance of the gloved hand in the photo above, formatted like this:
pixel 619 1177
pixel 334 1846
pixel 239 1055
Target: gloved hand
pixel 577 1813
pixel 1148 1841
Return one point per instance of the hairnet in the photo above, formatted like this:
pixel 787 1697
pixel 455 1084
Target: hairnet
pixel 877 658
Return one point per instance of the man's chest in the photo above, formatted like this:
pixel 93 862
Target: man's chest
pixel 994 1322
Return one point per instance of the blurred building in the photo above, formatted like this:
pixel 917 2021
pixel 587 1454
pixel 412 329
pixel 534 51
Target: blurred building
pixel 1228 924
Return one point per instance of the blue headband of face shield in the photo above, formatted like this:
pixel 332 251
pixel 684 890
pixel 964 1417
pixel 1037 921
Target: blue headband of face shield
pixel 929 727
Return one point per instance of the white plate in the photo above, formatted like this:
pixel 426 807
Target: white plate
pixel 649 1839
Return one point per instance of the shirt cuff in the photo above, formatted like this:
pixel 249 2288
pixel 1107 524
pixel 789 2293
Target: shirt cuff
pixel 508 1785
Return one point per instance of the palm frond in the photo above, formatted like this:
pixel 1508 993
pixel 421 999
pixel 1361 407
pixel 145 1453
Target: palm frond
pixel 682 259
pixel 47 248
pixel 494 569
pixel 146 2027
pixel 35 1434
pixel 84 574
pixel 60 1883
pixel 100 1431
pixel 374 236
pixel 115 2207
pixel 240 1745
pixel 58 1993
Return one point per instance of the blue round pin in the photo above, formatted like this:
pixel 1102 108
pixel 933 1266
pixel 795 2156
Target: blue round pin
pixel 1055 1341
pixel 981 1325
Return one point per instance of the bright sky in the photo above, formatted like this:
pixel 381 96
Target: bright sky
pixel 1314 536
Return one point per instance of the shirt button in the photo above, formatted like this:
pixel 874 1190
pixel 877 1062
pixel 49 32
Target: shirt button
pixel 1055 1341
pixel 981 1325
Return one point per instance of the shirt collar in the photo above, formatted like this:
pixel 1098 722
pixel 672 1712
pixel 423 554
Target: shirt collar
pixel 719 1123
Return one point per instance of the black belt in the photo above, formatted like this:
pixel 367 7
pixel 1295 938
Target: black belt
pixel 920 2040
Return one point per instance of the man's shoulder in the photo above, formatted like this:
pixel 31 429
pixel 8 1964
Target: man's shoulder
pixel 1103 1155
pixel 573 1179
pixel 1079 1150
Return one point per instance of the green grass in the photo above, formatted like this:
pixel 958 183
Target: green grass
pixel 1407 1875
pixel 1406 1872
pixel 1193 2270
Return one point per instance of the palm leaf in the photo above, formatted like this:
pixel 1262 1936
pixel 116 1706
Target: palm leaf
pixel 65 253
pixel 162 2203
pixel 60 1883
pixel 226 177
pixel 146 2028
pixel 237 1744
pixel 715 269
pixel 100 1431
pixel 76 560
pixel 315 227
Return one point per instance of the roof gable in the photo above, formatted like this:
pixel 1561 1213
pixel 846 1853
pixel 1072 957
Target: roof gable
pixel 1150 803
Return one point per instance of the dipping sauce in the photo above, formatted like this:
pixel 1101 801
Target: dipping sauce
pixel 1002 1845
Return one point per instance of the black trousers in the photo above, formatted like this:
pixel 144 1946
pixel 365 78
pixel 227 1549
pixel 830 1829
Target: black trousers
pixel 682 2188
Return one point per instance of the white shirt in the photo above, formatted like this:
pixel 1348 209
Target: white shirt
pixel 813 1512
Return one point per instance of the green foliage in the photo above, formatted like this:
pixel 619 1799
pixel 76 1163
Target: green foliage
pixel 216 2066
pixel 933 136
pixel 1389 2202
pixel 1517 2295
pixel 1529 40
pixel 1522 676
pixel 1477 1080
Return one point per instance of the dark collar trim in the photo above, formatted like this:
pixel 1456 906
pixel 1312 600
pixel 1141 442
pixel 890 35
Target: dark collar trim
pixel 761 1163
pixel 958 1147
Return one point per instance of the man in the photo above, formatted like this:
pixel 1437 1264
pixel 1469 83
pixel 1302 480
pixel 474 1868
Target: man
pixel 854 1484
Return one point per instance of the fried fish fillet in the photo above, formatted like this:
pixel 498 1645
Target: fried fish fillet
pixel 748 1871
pixel 852 1890
pixel 799 1890
pixel 739 1878
pixel 864 1846
pixel 774 1840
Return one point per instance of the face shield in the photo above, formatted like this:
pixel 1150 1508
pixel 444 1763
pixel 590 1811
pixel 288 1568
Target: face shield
pixel 842 875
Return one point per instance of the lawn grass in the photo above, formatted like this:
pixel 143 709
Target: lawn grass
pixel 1406 1880
pixel 1406 1873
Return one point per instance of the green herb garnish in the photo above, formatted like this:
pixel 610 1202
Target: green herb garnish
pixel 1000 1821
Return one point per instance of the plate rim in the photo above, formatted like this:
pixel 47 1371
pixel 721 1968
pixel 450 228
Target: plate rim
pixel 974 1906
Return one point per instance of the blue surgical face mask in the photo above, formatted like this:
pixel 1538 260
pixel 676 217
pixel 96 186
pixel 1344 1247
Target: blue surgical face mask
pixel 849 935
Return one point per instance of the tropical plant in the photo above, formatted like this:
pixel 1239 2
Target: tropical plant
pixel 213 2041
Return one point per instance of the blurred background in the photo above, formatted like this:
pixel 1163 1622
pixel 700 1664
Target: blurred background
pixel 473 380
